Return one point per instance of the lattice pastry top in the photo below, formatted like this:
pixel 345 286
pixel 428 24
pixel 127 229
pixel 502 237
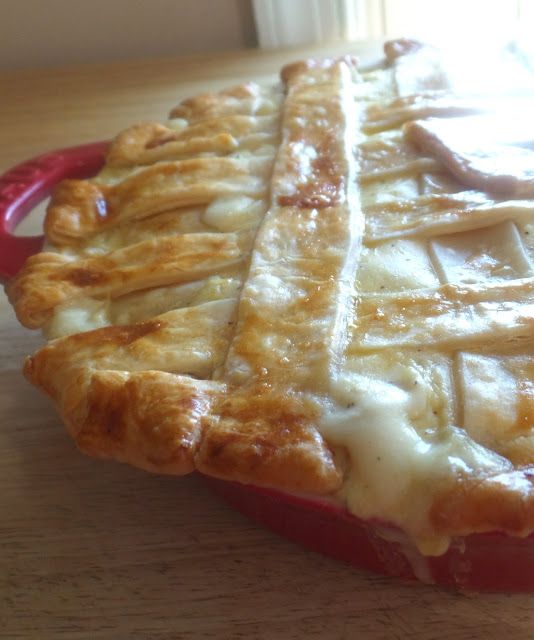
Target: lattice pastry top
pixel 324 287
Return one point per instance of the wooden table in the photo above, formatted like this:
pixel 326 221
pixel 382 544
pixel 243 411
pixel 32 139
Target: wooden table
pixel 99 550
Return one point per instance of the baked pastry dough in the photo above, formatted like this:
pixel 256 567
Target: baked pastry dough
pixel 321 287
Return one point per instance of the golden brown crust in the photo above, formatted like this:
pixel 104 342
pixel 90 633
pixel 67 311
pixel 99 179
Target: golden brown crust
pixel 229 240
pixel 145 144
pixel 260 436
pixel 246 99
pixel 150 419
pixel 290 72
pixel 76 207
pixel 107 403
pixel 264 432
pixel 48 279
pixel 148 192
pixel 502 502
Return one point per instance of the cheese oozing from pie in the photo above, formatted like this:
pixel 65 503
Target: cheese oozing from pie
pixel 325 287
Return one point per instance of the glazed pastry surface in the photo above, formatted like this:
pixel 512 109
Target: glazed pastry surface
pixel 325 287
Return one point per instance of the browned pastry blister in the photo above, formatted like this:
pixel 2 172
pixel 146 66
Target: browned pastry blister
pixel 312 287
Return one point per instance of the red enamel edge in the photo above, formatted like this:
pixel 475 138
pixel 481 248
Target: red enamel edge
pixel 479 562
pixel 27 184
pixel 491 561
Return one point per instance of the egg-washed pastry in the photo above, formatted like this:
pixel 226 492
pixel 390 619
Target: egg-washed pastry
pixel 325 287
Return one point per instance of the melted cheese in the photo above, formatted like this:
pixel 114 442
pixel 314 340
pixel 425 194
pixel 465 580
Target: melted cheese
pixel 411 409
pixel 395 467
pixel 413 338
pixel 78 316
pixel 234 213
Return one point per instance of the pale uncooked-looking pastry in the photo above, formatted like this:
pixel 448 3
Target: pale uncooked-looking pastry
pixel 324 287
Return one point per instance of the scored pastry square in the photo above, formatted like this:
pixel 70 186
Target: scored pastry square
pixel 297 287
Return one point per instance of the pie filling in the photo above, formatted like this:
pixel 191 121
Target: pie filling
pixel 324 287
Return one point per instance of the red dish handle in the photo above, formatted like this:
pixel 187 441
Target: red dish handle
pixel 27 184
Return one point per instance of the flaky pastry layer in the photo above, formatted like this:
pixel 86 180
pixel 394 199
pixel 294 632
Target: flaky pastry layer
pixel 304 287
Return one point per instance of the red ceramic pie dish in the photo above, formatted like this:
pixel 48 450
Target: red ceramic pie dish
pixel 489 561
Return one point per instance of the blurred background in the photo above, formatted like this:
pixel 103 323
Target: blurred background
pixel 46 33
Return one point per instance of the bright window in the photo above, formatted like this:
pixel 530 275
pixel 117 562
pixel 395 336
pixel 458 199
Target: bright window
pixel 293 22
pixel 446 22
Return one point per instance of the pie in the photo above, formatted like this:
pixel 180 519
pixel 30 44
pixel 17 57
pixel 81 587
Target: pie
pixel 324 287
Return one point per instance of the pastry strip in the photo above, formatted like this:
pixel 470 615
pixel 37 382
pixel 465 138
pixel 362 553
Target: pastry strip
pixel 151 142
pixel 450 317
pixel 296 302
pixel 79 208
pixel 429 216
pixel 49 279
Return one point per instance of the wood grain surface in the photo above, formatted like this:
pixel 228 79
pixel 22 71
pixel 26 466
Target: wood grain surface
pixel 97 550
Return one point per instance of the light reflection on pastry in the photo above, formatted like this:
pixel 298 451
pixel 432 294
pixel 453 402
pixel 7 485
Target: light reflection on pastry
pixel 320 287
